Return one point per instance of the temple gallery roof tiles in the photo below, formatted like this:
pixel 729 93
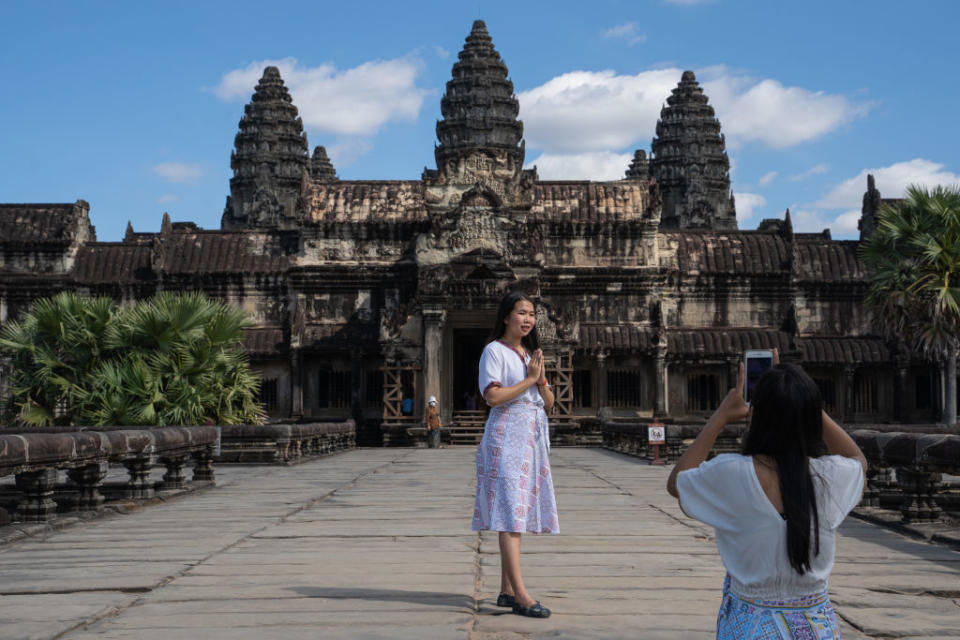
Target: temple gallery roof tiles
pixel 842 350
pixel 263 341
pixel 367 201
pixel 742 252
pixel 36 223
pixel 835 261
pixel 725 341
pixel 616 337
pixel 219 252
pixel 113 262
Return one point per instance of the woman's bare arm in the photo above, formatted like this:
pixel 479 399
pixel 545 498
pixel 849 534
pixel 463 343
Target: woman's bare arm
pixel 733 408
pixel 840 443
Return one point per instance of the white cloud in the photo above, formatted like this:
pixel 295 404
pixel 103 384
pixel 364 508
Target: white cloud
pixel 767 178
pixel 747 205
pixel 167 197
pixel 598 165
pixel 178 171
pixel 346 151
pixel 815 170
pixel 627 31
pixel 442 53
pixel 892 182
pixel 601 111
pixel 348 102
pixel 815 221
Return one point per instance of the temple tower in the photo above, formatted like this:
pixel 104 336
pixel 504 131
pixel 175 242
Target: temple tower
pixel 868 212
pixel 639 168
pixel 320 166
pixel 479 130
pixel 690 162
pixel 270 160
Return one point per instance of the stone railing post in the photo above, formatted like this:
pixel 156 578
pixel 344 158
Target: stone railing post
pixel 919 495
pixel 203 467
pixel 88 479
pixel 174 478
pixel 37 504
pixel 139 486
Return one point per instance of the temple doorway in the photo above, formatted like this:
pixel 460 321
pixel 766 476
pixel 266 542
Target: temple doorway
pixel 468 345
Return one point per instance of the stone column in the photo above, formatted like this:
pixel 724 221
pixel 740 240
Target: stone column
pixel 174 478
pixel 296 384
pixel 601 383
pixel 662 383
pixel 432 344
pixel 900 392
pixel 139 486
pixel 848 394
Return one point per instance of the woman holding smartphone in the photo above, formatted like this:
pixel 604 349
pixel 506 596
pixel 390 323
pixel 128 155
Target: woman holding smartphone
pixel 514 486
pixel 776 507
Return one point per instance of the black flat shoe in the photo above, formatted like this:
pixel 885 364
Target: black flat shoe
pixel 505 600
pixel 535 610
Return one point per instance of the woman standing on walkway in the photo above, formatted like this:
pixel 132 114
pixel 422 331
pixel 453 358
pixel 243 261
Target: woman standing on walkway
pixel 514 487
pixel 776 508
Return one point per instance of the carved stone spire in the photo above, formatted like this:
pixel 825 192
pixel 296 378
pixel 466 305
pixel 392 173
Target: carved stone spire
pixel 639 167
pixel 269 159
pixel 320 166
pixel 690 162
pixel 868 213
pixel 479 109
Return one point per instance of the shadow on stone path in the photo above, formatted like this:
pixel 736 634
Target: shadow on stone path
pixel 376 543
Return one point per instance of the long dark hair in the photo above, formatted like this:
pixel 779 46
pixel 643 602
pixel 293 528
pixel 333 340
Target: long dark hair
pixel 530 342
pixel 787 425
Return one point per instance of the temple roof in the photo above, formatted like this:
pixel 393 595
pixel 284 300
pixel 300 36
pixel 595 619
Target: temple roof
pixel 617 337
pixel 113 262
pixel 842 350
pixel 723 341
pixel 36 223
pixel 219 252
pixel 320 166
pixel 833 261
pixel 745 252
pixel 264 341
pixel 479 108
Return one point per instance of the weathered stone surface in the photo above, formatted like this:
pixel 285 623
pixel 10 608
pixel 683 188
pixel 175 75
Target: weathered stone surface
pixel 314 549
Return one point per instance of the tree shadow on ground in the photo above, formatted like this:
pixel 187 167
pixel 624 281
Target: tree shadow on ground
pixel 436 598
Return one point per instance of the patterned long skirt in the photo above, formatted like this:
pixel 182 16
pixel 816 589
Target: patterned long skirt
pixel 514 486
pixel 807 618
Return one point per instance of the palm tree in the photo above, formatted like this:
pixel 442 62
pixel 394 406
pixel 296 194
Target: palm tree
pixel 915 289
pixel 173 360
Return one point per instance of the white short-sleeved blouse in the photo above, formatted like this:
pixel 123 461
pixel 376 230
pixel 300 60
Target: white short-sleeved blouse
pixel 752 536
pixel 503 366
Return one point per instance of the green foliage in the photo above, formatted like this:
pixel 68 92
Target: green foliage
pixel 175 359
pixel 915 258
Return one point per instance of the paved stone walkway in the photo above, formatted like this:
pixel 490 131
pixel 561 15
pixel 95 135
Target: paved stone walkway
pixel 375 543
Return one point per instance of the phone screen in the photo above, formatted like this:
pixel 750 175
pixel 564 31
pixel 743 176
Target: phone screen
pixel 756 365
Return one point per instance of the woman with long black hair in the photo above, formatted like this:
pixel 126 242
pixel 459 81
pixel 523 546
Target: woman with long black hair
pixel 775 508
pixel 514 485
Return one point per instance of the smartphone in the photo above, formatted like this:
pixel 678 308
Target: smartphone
pixel 755 363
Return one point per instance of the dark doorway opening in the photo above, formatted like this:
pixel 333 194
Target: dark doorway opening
pixel 468 345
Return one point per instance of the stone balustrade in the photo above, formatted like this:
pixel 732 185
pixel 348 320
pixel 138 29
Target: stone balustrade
pixel 917 461
pixel 631 438
pixel 284 443
pixel 905 464
pixel 36 457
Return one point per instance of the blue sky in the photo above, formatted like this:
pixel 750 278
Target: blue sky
pixel 134 106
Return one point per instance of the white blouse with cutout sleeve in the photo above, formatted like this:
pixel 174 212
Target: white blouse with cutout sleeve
pixel 726 494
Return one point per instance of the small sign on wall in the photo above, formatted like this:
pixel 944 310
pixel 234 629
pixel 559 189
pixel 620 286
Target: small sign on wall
pixel 656 433
pixel 656 436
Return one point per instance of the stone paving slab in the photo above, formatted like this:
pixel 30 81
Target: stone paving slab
pixel 375 543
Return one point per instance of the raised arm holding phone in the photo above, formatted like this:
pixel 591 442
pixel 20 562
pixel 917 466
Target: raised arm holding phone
pixel 775 508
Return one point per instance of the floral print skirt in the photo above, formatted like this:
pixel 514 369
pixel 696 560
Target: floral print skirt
pixel 807 618
pixel 514 486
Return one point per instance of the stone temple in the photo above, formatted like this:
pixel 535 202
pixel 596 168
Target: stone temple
pixel 365 292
